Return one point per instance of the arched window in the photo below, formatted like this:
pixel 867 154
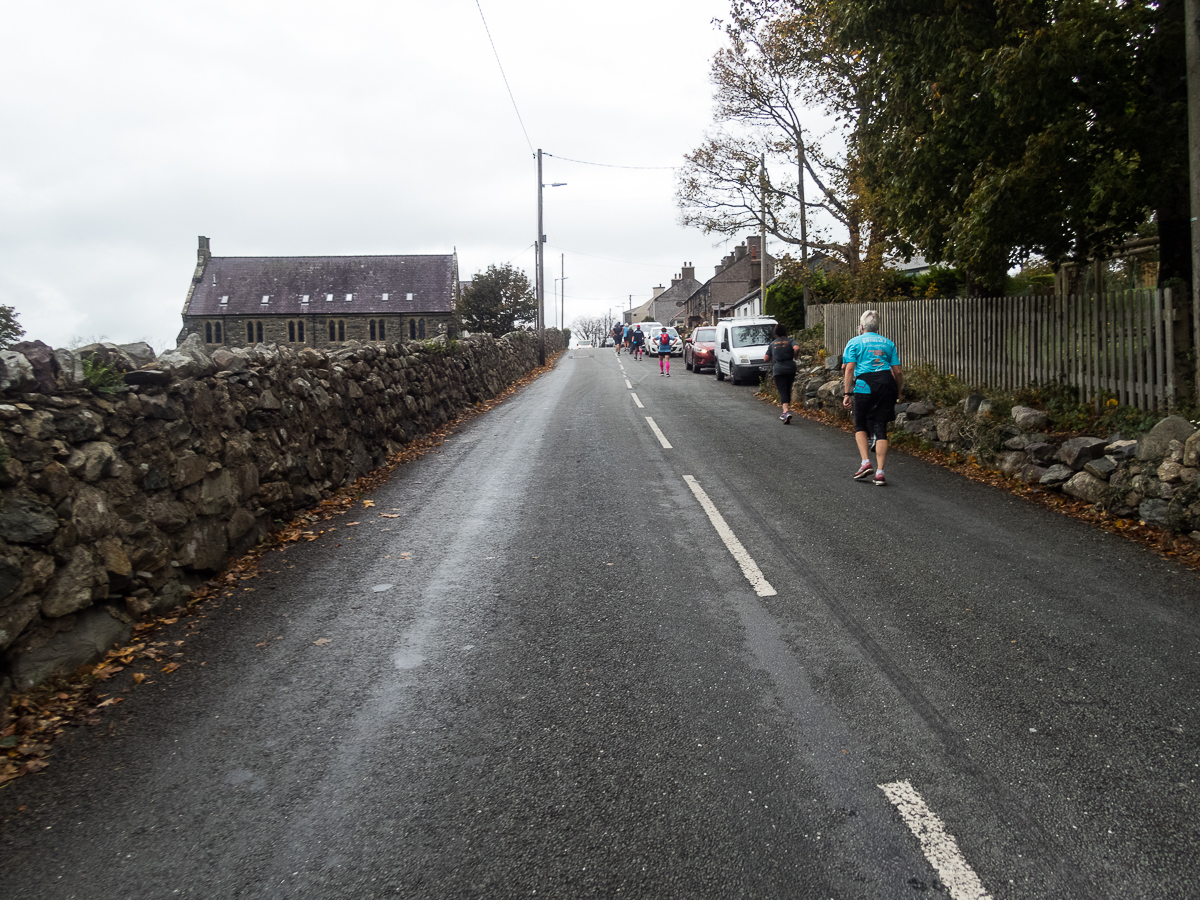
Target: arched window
pixel 382 335
pixel 300 330
pixel 412 329
pixel 291 332
pixel 217 331
pixel 258 331
pixel 332 331
pixel 341 329
pixel 249 332
pixel 208 332
pixel 372 329
pixel 421 328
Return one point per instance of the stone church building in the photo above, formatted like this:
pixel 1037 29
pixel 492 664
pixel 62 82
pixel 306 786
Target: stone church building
pixel 319 301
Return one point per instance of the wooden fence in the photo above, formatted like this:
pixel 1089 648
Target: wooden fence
pixel 1108 345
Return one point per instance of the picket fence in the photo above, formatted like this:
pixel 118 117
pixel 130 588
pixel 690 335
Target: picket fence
pixel 1117 345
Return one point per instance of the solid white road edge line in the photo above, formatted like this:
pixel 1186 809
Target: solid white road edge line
pixel 638 402
pixel 940 848
pixel 750 568
pixel 662 438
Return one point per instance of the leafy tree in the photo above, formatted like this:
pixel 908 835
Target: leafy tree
pixel 498 300
pixel 995 130
pixel 779 58
pixel 10 330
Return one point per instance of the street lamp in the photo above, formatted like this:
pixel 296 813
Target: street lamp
pixel 541 267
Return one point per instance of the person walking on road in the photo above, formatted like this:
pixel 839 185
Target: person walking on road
pixel 782 353
pixel 662 341
pixel 628 338
pixel 618 332
pixel 873 383
pixel 639 341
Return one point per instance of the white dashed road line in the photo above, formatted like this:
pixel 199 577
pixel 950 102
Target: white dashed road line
pixel 630 386
pixel 662 438
pixel 940 848
pixel 750 568
pixel 637 401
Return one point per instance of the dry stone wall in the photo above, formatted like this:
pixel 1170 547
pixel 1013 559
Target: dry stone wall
pixel 115 505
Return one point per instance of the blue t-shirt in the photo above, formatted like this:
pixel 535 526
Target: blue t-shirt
pixel 664 342
pixel 870 353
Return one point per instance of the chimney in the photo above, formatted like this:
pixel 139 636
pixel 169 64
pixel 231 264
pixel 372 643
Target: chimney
pixel 203 254
pixel 740 251
pixel 675 281
pixel 689 272
pixel 657 290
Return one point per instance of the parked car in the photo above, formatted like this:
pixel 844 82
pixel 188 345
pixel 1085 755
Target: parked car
pixel 741 345
pixel 700 348
pixel 653 329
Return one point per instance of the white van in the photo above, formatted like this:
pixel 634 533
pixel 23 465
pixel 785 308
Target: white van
pixel 741 345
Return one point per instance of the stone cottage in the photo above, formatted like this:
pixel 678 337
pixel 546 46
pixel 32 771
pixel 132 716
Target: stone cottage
pixel 319 301
pixel 737 277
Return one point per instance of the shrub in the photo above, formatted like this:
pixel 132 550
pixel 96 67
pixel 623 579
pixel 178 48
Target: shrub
pixel 101 377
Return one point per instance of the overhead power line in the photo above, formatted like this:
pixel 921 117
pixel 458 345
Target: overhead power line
pixel 505 77
pixel 606 165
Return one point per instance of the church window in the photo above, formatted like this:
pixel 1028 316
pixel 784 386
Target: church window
pixel 421 328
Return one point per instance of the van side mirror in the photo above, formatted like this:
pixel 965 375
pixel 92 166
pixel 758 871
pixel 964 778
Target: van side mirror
pixel 724 344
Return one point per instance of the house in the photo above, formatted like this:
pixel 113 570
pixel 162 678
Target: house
pixel 736 284
pixel 319 301
pixel 666 304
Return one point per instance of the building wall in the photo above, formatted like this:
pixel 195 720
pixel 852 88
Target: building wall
pixel 312 330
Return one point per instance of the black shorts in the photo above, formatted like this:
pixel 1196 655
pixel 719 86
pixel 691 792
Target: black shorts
pixel 873 411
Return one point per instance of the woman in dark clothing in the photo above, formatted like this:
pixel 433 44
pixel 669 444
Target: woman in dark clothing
pixel 782 352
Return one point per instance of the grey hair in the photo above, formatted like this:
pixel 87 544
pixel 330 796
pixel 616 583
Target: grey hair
pixel 869 320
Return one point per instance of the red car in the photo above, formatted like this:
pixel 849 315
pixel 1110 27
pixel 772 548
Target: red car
pixel 700 350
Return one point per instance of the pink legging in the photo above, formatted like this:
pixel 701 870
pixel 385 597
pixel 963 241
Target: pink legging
pixel 664 363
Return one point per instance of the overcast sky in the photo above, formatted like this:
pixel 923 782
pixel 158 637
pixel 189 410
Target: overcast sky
pixel 362 127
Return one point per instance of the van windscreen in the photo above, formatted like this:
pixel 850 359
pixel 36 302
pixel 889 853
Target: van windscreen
pixel 752 335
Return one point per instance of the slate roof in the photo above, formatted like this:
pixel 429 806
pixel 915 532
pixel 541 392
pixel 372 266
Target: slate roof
pixel 431 280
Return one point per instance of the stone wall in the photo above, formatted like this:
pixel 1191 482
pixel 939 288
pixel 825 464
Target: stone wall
pixel 114 505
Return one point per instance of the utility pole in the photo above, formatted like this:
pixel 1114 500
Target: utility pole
pixel 803 220
pixel 541 281
pixel 763 276
pixel 1191 15
pixel 562 270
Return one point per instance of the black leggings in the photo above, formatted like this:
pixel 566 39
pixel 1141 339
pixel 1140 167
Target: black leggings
pixel 783 384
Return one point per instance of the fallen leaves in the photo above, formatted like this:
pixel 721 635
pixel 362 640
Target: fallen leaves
pixel 320 642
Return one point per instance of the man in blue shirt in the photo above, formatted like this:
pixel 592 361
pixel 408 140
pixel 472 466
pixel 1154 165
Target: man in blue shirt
pixel 872 388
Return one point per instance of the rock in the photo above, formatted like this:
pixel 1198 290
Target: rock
pixel 1169 472
pixel 70 367
pixel 1086 486
pixel 148 377
pixel 82 425
pixel 228 361
pixel 986 408
pixel 16 374
pixel 1153 512
pixel 11 576
pixel 92 461
pixel 970 403
pixel 1187 475
pixel 109 354
pixel 90 514
pixel 204 545
pixel 89 636
pixel 139 353
pixel 1019 442
pixel 188 360
pixel 1056 475
pixel 1121 450
pixel 1078 452
pixel 74 585
pixel 948 429
pixel 1010 463
pixel 1028 419
pixel 831 390
pixel 14 617
pixel 1040 452
pixel 919 409
pixel 1191 451
pixel 25 521
pixel 1157 442
pixel 1101 468
pixel 1030 474
pixel 44 363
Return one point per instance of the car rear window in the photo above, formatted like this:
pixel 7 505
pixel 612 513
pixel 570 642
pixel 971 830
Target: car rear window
pixel 752 335
pixel 705 334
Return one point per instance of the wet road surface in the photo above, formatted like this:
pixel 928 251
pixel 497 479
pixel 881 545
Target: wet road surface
pixel 557 674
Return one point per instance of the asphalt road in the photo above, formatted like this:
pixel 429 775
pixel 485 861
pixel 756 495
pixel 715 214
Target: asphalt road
pixel 583 664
